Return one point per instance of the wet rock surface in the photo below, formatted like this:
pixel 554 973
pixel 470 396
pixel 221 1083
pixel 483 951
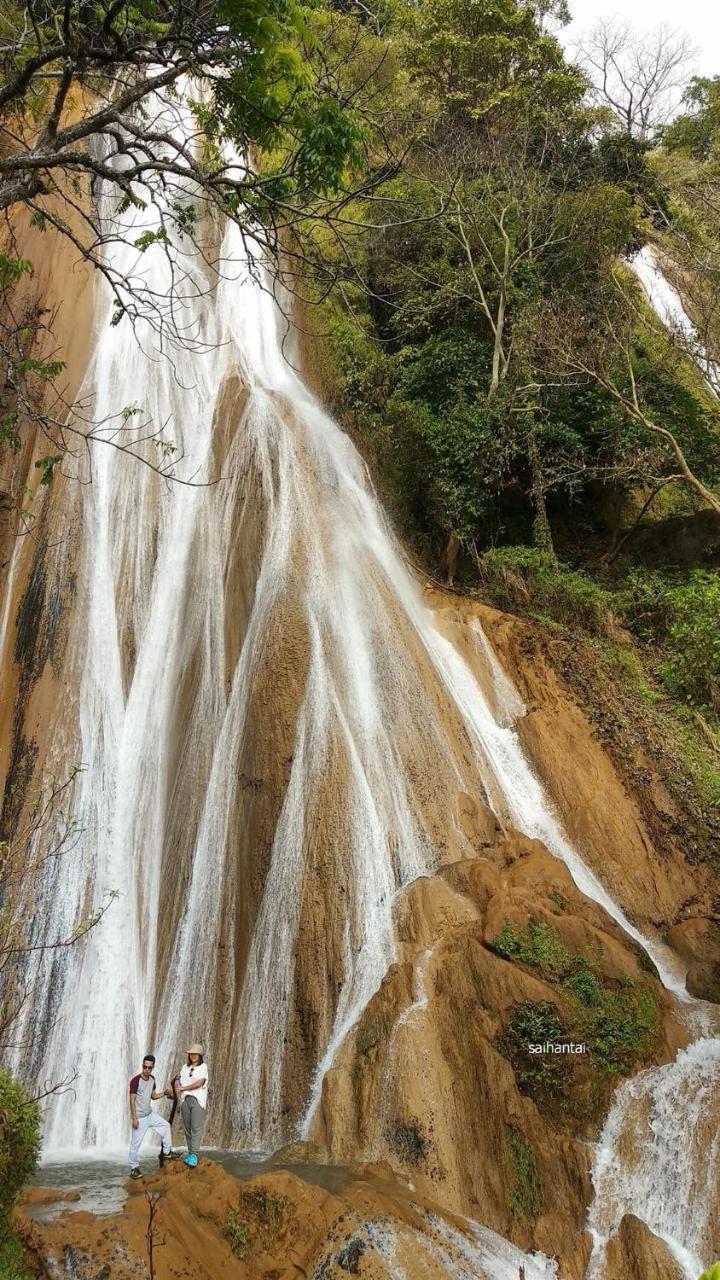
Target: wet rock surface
pixel 275 1226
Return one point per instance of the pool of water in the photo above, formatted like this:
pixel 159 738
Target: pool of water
pixel 100 1184
pixel 100 1181
pixel 332 1177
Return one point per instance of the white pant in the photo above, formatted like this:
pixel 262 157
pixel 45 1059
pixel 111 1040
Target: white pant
pixel 153 1121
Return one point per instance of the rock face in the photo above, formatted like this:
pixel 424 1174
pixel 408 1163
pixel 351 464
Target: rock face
pixel 647 876
pixel 634 1253
pixel 274 1227
pixel 698 942
pixel 424 1079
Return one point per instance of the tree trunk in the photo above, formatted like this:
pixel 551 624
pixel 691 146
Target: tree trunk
pixel 541 524
pixel 448 559
pixel 497 360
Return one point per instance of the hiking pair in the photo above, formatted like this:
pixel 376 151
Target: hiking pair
pixel 191 1085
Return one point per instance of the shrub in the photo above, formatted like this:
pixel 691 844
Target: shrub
pixel 619 1024
pixel 544 1077
pixel 255 1222
pixel 621 1027
pixel 645 602
pixel 537 945
pixel 19 1151
pixel 524 1193
pixel 694 640
pixel 237 1234
pixel 529 580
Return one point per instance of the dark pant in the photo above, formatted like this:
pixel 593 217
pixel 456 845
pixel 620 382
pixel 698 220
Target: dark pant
pixel 193 1118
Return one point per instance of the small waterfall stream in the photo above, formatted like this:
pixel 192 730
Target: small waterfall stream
pixel 668 306
pixel 168 704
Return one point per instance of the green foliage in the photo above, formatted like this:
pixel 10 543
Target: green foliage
pixel 537 945
pixel 621 158
pixel 545 1077
pixel 693 669
pixel 620 1027
pixel 19 1152
pixel 523 1189
pixel 46 465
pixel 529 579
pixel 46 370
pixel 679 613
pixel 256 1222
pixel 12 269
pixel 619 1024
pixel 269 89
pixel 473 58
pixel 697 131
pixel 237 1234
pixel 9 434
pixel 11 1260
pixel 148 238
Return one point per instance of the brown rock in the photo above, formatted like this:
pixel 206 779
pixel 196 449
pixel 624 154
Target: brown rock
pixel 275 1225
pixel 703 981
pixel 47 1195
pixel 635 1253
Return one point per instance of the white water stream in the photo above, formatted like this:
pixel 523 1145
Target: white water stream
pixel 441 1250
pixel 148 610
pixel 668 306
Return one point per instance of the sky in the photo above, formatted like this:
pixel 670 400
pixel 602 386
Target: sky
pixel 700 19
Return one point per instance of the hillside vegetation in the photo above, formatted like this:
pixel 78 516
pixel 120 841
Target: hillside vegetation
pixel 539 436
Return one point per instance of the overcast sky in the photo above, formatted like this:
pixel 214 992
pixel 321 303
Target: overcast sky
pixel 699 18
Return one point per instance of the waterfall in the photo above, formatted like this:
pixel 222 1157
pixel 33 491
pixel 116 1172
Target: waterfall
pixel 270 726
pixel 443 1251
pixel 651 1163
pixel 668 306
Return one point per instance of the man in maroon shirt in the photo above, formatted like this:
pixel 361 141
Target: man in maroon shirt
pixel 142 1093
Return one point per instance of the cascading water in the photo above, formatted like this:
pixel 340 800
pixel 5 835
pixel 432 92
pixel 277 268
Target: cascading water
pixel 226 835
pixel 658 1150
pixel 667 304
pixel 442 1250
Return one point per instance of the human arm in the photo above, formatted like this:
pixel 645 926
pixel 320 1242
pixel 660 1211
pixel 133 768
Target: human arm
pixel 194 1084
pixel 131 1102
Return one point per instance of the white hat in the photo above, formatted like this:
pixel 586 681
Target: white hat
pixel 196 1048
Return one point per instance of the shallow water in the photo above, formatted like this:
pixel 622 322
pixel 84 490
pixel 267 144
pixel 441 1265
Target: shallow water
pixel 101 1182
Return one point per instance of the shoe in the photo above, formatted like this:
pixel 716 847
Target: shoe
pixel 135 1173
pixel 166 1155
pixel 190 1161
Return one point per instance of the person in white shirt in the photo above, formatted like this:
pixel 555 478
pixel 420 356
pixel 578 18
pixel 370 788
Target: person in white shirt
pixel 192 1087
pixel 142 1091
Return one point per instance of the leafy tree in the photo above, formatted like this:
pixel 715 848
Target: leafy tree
pixel 697 131
pixel 506 199
pixel 19 1152
pixel 253 110
pixel 610 339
